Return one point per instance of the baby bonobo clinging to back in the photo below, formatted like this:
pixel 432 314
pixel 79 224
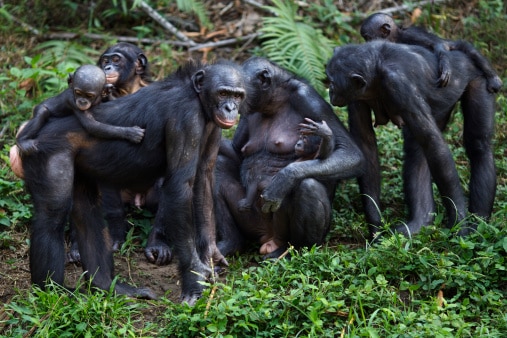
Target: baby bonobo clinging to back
pixel 87 87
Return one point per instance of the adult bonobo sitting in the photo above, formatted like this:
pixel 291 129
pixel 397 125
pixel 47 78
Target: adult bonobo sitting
pixel 296 204
pixel 397 82
pixel 182 116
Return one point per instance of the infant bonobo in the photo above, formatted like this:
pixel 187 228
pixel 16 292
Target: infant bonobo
pixel 87 87
pixel 314 143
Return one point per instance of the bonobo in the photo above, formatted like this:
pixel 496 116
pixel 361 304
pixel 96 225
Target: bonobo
pixel 87 86
pixel 315 141
pixel 297 200
pixel 382 26
pixel 126 68
pixel 380 76
pixel 182 116
pixel 126 74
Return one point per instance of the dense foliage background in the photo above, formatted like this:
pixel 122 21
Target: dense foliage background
pixel 432 285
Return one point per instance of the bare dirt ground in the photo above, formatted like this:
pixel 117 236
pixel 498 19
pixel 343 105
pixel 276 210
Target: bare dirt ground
pixel 133 269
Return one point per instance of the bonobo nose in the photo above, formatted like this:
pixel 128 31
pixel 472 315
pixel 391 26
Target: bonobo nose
pixel 230 107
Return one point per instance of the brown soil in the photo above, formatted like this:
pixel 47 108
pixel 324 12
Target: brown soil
pixel 132 268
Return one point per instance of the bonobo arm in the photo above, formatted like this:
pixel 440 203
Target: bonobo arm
pixel 345 161
pixel 95 128
pixel 421 37
pixel 361 129
pixel 203 199
pixel 320 129
pixel 494 81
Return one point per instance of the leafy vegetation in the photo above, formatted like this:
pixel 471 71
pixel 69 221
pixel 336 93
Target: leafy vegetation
pixel 431 285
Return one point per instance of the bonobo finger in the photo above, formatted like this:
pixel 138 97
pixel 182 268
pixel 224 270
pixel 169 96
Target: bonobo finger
pixel 130 291
pixel 158 255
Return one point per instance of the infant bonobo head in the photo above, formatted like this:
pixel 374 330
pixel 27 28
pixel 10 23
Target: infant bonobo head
pixel 87 84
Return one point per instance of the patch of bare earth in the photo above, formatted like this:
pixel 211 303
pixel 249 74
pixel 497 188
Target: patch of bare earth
pixel 133 269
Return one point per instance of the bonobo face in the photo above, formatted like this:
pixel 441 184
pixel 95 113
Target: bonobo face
pixel 345 84
pixel 87 85
pixel 221 89
pixel 122 62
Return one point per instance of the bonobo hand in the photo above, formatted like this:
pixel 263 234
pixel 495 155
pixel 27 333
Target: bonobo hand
pixel 157 251
pixel 134 134
pixel 315 128
pixel 445 72
pixel 281 184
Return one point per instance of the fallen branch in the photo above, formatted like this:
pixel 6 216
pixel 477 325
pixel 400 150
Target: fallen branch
pixel 164 23
pixel 409 6
pixel 70 36
pixel 223 42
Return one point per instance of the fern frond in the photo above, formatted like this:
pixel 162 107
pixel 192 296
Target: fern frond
pixel 295 45
pixel 196 7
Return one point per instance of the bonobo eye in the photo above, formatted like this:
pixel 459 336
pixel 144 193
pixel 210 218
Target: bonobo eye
pixel 90 95
pixel 222 93
pixel 105 60
pixel 115 58
pixel 238 95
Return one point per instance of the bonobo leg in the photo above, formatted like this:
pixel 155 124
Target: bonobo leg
pixel 228 191
pixel 361 129
pixel 52 200
pixel 417 186
pixel 304 217
pixel 114 213
pixel 479 114
pixel 95 245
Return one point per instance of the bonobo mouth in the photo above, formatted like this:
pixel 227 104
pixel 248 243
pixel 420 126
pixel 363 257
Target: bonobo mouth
pixel 111 78
pixel 225 123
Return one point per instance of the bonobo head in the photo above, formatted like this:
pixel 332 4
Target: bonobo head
pixel 87 84
pixel 379 26
pixel 126 67
pixel 221 90
pixel 350 71
pixel 307 146
pixel 268 84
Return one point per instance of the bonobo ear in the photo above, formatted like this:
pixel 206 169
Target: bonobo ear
pixel 197 80
pixel 142 62
pixel 357 81
pixel 70 79
pixel 265 77
pixel 385 30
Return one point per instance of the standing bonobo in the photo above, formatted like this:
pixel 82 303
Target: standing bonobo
pixel 296 204
pixel 397 82
pixel 87 87
pixel 182 116
pixel 382 26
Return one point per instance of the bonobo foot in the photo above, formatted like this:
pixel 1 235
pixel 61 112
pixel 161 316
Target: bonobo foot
pixel 130 291
pixel 466 229
pixel 27 147
pixel 494 83
pixel 191 288
pixel 268 247
pixel 134 134
pixel 409 229
pixel 277 254
pixel 73 256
